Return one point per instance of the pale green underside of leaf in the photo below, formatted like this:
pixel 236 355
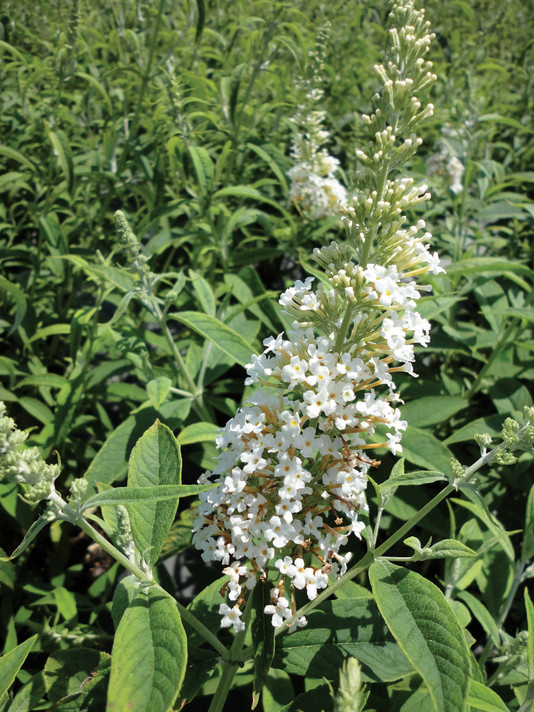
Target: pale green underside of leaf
pixel 149 655
pixel 427 630
pixel 155 461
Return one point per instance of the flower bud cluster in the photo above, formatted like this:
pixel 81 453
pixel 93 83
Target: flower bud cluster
pixel 294 461
pixel 314 190
pixel 125 236
pixel 375 215
pixel 24 465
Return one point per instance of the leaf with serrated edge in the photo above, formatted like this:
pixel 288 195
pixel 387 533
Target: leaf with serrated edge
pixel 149 655
pixel 418 615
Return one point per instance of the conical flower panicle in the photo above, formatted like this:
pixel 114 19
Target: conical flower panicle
pixel 294 460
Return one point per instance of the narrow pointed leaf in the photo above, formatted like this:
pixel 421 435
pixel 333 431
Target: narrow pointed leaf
pixel 133 495
pixel 483 698
pixel 418 615
pixel 216 331
pixel 149 655
pixel 32 532
pixel 11 662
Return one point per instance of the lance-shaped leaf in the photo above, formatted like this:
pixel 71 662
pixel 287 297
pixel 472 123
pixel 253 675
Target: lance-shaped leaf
pixel 149 655
pixel 11 662
pixel 32 532
pixel 155 461
pixel 443 549
pixel 418 615
pixel 225 338
pixel 134 495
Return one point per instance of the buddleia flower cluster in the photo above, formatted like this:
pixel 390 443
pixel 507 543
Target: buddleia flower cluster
pixel 314 190
pixel 24 465
pixel 293 469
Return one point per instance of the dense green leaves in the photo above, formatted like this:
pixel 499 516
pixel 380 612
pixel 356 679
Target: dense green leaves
pixel 427 630
pixel 225 338
pixel 149 655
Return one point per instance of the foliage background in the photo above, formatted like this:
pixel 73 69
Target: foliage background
pixel 180 115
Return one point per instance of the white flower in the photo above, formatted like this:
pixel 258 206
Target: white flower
pixel 280 611
pixel 231 617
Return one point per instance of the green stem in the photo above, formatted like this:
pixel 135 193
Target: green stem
pixel 198 401
pixel 231 665
pixel 142 575
pixel 343 329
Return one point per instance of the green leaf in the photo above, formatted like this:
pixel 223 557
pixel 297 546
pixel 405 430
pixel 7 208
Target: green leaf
pixel 198 433
pixel 75 673
pixel 28 696
pixel 418 615
pixel 111 461
pixel 245 191
pixel 432 409
pixel 136 494
pixel 483 616
pixel 204 293
pixel 149 655
pixel 203 166
pixel 30 535
pixel 211 328
pixel 180 534
pixel 43 380
pixel 346 627
pixel 273 165
pixel 483 698
pixel 277 692
pixel 18 296
pixel 65 602
pixel 479 508
pixel 155 461
pixel 125 593
pixel 312 701
pixel 7 571
pixel 425 450
pixel 419 477
pixel 530 638
pixel 443 549
pixel 11 662
pixel 61 150
pixel 488 265
pixel 12 153
pixel 527 547
pixel 158 389
pixel 262 639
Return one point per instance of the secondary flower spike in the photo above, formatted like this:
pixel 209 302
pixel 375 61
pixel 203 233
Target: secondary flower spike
pixel 293 468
